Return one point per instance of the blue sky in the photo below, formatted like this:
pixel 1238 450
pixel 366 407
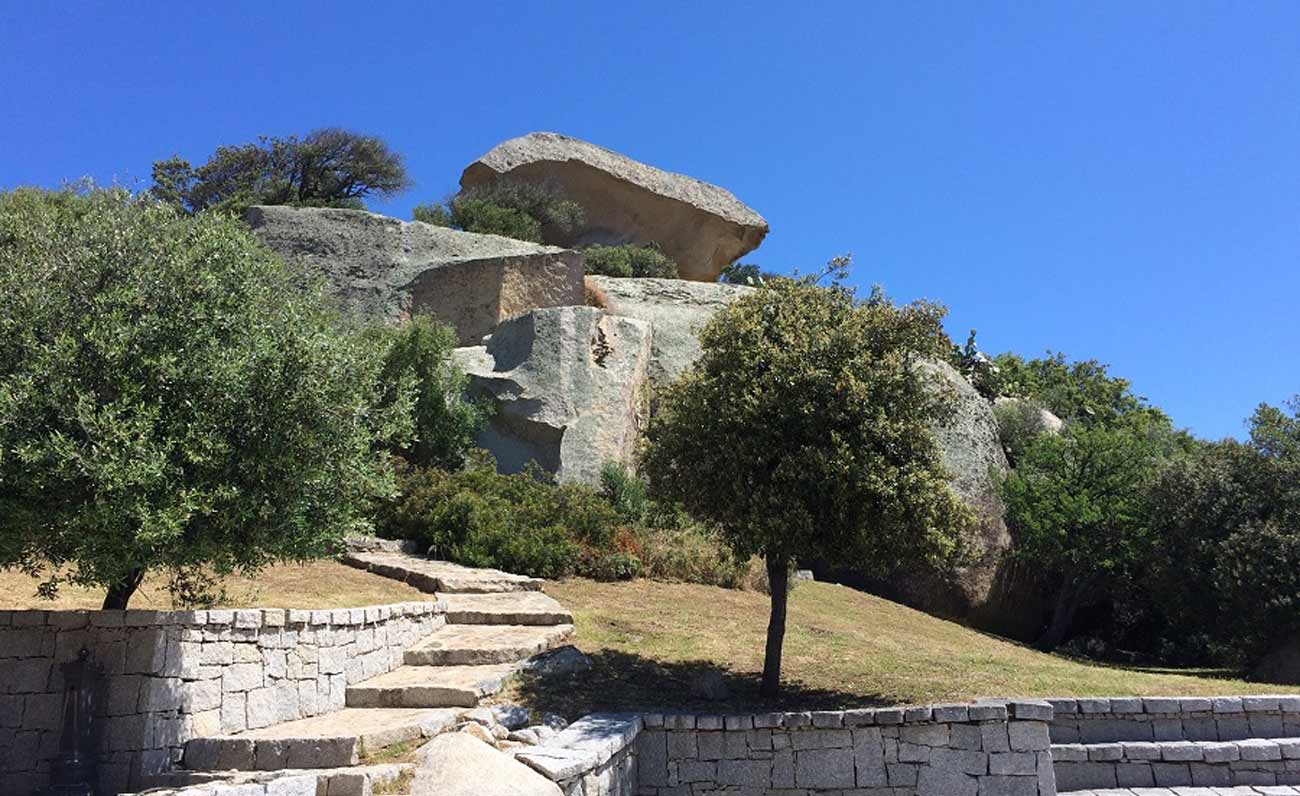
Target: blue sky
pixel 1118 180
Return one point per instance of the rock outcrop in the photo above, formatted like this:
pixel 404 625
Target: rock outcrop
pixel 701 226
pixel 973 456
pixel 383 268
pixel 456 764
pixel 675 309
pixel 1043 420
pixel 568 388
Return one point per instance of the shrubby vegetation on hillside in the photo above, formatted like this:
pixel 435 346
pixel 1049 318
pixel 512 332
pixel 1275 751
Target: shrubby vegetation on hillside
pixel 525 523
pixel 513 208
pixel 629 260
pixel 325 168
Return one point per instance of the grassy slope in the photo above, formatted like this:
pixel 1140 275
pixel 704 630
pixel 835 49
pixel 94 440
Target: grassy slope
pixel 843 648
pixel 321 584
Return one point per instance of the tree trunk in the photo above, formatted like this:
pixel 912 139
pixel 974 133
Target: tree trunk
pixel 1067 605
pixel 778 577
pixel 119 594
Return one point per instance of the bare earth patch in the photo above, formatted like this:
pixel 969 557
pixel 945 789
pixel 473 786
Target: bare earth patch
pixel 648 641
pixel 320 584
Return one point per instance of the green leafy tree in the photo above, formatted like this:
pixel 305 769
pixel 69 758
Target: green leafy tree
pixel 1076 506
pixel 825 450
pixel 325 168
pixel 418 360
pixel 1082 391
pixel 172 398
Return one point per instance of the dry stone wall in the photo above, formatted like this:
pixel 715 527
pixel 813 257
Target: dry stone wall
pixel 169 676
pixel 979 749
pixel 1174 764
pixel 1236 718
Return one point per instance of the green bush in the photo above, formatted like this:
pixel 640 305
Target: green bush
pixel 629 260
pixel 172 398
pixel 418 361
pixel 1019 422
pixel 525 210
pixel 523 523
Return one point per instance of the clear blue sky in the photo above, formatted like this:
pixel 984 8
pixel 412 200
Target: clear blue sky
pixel 1118 180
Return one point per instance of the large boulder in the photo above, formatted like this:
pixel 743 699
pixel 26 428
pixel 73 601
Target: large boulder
pixel 701 226
pixel 677 310
pixel 457 764
pixel 384 268
pixel 973 456
pixel 568 385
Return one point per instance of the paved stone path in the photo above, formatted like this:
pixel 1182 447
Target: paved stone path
pixel 496 621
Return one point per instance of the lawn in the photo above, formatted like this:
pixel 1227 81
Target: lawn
pixel 320 584
pixel 843 648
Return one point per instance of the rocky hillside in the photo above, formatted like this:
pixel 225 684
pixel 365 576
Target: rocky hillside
pixel 569 381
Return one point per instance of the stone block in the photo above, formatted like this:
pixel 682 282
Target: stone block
pixel 953 713
pixel 682 746
pixel 913 753
pixel 824 768
pixel 160 694
pixel 821 739
pixel 1140 750
pixel 918 714
pixel 990 712
pixel 233 715
pixel 733 723
pixel 41 711
pixel 1134 775
pixel 709 745
pixel 1258 749
pixel 1013 763
pixel 1220 752
pixel 1084 776
pixel 993 737
pixel 902 775
pixel 925 734
pixel 1207 775
pixel 26 676
pixel 966 736
pixel 1008 786
pixel 1027 736
pixel 967 762
pixel 1172 775
pixel 942 781
pixel 1165 705
pixel 242 677
pixel 1071 753
pixel 1122 705
pixel 1228 705
pixel 745 773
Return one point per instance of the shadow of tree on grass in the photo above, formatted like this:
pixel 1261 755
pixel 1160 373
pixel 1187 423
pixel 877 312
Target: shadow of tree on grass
pixel 621 681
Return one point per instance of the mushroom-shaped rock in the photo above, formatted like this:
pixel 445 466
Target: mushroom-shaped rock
pixel 384 268
pixel 568 387
pixel 701 226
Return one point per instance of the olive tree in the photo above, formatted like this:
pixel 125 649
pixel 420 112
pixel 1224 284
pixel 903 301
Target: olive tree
pixel 172 398
pixel 325 168
pixel 803 431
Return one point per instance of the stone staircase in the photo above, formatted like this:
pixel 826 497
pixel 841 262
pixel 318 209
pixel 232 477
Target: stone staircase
pixel 496 625
pixel 1166 746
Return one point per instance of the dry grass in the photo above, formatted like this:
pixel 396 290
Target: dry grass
pixel 843 648
pixel 320 584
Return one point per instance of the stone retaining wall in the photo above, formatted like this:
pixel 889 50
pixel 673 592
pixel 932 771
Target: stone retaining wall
pixel 978 749
pixel 1106 720
pixel 174 675
pixel 1173 764
pixel 594 756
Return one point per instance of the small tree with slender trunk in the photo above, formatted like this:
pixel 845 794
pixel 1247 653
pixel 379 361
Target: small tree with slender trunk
pixel 803 431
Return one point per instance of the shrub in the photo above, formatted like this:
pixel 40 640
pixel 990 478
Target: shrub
pixel 325 168
pixel 172 398
pixel 1019 422
pixel 629 260
pixel 418 361
pixel 525 210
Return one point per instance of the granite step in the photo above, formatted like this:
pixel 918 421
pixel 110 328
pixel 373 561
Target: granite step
pixel 1177 764
pixel 431 686
pixel 360 780
pixel 506 608
pixel 332 740
pixel 442 577
pixel 474 645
